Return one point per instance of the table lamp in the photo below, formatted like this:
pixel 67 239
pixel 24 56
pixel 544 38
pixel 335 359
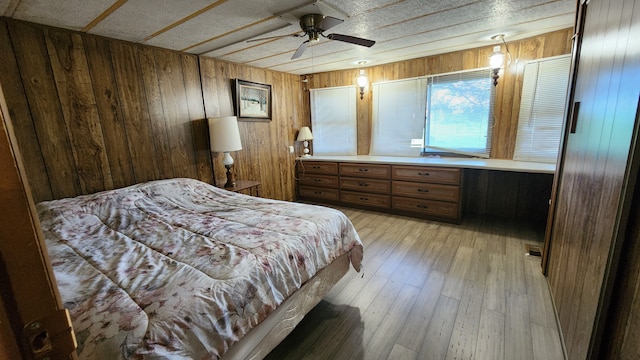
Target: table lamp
pixel 224 137
pixel 305 135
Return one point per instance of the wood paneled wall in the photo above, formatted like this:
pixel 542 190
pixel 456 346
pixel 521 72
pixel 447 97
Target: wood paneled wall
pixel 265 155
pixel 600 159
pixel 622 329
pixel 509 195
pixel 93 114
pixel 508 90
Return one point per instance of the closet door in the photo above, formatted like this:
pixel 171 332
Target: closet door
pixel 594 186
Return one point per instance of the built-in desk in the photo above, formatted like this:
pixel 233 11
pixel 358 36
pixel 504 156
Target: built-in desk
pixel 461 163
pixel 431 187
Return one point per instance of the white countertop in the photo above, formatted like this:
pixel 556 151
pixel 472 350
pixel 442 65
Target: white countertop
pixel 465 163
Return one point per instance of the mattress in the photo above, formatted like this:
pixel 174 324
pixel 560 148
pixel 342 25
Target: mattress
pixel 181 269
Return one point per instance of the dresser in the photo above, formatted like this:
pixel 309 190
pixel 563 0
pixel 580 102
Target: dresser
pixel 420 191
pixel 429 191
pixel 318 180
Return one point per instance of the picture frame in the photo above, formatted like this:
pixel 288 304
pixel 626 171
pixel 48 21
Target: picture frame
pixel 253 101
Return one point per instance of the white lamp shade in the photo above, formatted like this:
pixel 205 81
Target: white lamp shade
pixel 305 134
pixel 362 79
pixel 224 135
pixel 496 59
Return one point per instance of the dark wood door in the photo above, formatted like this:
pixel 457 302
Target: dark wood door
pixel 33 323
pixel 594 186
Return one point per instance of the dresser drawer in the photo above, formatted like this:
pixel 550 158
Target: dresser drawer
pixel 365 170
pixel 365 185
pixel 317 167
pixel 308 192
pixel 326 181
pixel 434 208
pixel 427 174
pixel 426 190
pixel 364 199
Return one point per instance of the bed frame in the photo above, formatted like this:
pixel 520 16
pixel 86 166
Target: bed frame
pixel 259 342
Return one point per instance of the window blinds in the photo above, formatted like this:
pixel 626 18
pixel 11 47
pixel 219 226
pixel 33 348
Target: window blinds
pixel 448 112
pixel 542 107
pixel 460 112
pixel 398 117
pixel 333 121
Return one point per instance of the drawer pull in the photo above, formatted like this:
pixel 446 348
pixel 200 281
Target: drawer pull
pixel 318 192
pixel 422 206
pixel 363 184
pixel 315 167
pixel 317 180
pixel 423 174
pixel 423 190
pixel 364 198
pixel 363 169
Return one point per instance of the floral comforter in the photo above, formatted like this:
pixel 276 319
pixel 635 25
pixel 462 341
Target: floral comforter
pixel 180 269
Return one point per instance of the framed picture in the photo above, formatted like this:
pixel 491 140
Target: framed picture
pixel 253 101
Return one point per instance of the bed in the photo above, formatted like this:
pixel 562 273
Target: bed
pixel 181 269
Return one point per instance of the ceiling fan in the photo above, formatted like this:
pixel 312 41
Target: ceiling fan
pixel 314 26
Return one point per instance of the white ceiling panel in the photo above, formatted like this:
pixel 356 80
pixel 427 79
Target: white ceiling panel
pixel 402 29
pixel 68 14
pixel 135 20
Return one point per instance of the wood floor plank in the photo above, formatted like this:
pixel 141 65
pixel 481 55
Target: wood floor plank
pixel 518 343
pixel 436 340
pixel 454 285
pixel 540 306
pixel 400 352
pixel 449 249
pixel 490 344
pixel 465 331
pixel 494 295
pixel 336 332
pixel 396 307
pixel 378 308
pixel 415 328
pixel 514 265
pixel 384 339
pixel 353 346
pixel 546 342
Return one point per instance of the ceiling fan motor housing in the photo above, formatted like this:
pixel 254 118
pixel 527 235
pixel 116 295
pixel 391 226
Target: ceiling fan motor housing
pixel 309 24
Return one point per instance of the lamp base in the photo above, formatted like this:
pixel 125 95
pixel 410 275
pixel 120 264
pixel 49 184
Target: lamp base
pixel 230 180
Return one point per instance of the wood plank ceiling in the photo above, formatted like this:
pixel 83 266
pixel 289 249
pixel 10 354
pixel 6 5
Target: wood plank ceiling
pixel 402 29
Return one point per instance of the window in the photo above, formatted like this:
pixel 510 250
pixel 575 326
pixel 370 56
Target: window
pixel 544 93
pixel 333 121
pixel 460 112
pixel 398 117
pixel 449 112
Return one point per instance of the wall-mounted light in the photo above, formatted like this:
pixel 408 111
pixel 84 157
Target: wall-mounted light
pixel 362 82
pixel 495 61
pixel 497 58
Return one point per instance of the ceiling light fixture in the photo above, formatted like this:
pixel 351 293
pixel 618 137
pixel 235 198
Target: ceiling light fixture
pixel 497 58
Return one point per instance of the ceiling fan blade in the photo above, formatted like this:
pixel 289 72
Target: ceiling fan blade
pixel 351 39
pixel 300 50
pixel 327 23
pixel 296 34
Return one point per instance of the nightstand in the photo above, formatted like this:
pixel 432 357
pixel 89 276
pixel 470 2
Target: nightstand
pixel 243 186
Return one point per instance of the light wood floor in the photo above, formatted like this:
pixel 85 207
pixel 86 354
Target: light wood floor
pixel 434 291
